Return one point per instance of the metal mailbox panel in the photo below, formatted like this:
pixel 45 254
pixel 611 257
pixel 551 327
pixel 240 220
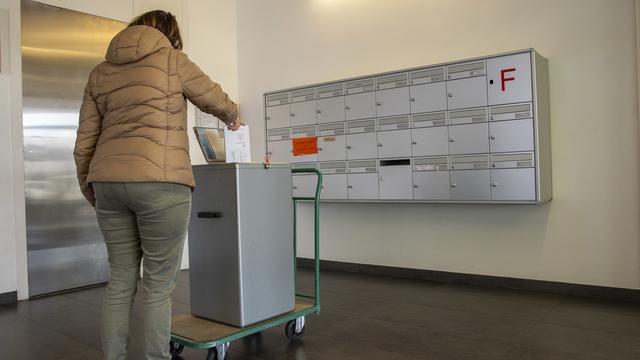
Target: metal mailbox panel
pixel 430 119
pixel 278 116
pixel 396 143
pixel 466 69
pixel 511 112
pixel 512 160
pixel 392 101
pixel 280 150
pixel 428 75
pixel 461 120
pixel 304 158
pixel 466 93
pixel 363 186
pixel 469 139
pixel 330 110
pixel 304 185
pixel 430 141
pixel 472 185
pixel 332 147
pixel 360 106
pixel 279 134
pixel 334 187
pixel 362 146
pixel 431 185
pixel 509 79
pixel 428 97
pixel 361 126
pixel 395 180
pixel 512 135
pixel 467 116
pixel 303 113
pixel 513 184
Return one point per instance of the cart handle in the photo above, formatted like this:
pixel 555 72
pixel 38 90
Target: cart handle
pixel 209 214
pixel 318 184
pixel 316 230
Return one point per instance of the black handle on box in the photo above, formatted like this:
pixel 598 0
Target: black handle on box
pixel 209 214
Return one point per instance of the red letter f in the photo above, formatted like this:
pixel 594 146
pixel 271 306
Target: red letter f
pixel 505 79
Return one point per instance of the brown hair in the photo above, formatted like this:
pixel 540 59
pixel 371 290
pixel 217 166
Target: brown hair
pixel 163 21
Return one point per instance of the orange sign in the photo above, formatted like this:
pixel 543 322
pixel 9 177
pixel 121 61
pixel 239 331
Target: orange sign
pixel 305 146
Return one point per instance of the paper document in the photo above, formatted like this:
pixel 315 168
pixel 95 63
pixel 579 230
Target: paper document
pixel 237 145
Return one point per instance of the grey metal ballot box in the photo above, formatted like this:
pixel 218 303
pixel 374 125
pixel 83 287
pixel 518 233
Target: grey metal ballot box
pixel 241 251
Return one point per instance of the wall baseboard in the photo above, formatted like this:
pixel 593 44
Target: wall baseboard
pixel 591 291
pixel 9 298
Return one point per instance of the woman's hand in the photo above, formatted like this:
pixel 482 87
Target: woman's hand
pixel 234 125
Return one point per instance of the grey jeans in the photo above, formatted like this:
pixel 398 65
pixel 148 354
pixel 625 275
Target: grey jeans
pixel 141 221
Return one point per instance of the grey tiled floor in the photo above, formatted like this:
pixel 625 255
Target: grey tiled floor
pixel 363 317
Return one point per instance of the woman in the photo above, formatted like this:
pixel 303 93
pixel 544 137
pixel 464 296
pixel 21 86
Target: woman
pixel 132 160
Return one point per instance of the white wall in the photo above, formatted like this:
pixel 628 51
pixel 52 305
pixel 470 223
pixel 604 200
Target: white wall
pixel 9 139
pixel 212 45
pixel 588 234
pixel 13 254
pixel 209 31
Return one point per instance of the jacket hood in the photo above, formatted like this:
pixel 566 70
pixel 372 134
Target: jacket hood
pixel 135 42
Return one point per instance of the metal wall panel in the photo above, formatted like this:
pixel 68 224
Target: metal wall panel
pixel 477 108
pixel 59 48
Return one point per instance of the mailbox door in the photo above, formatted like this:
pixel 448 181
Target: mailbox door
pixel 395 143
pixel 428 97
pixel 430 141
pixel 470 185
pixel 278 116
pixel 330 110
pixel 509 79
pixel 334 187
pixel 431 185
pixel 332 148
pixel 363 186
pixel 303 113
pixel 513 184
pixel 360 106
pixel 392 101
pixel 466 93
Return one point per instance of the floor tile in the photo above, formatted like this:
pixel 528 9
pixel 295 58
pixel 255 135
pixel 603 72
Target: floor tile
pixel 85 355
pixel 607 316
pixel 22 339
pixel 46 306
pixel 414 341
pixel 314 349
pixel 82 324
pixel 93 295
pixel 549 337
pixel 520 353
pixel 458 323
pixel 362 317
pixel 352 304
pixel 491 301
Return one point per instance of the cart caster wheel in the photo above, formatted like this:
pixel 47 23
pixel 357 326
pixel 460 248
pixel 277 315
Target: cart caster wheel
pixel 175 349
pixel 218 353
pixel 294 329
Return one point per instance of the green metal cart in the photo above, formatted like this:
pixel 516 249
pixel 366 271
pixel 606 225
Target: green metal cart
pixel 188 330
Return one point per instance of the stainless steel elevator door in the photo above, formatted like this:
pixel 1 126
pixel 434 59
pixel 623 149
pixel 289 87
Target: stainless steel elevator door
pixel 59 48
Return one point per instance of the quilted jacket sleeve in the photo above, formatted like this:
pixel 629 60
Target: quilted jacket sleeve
pixel 207 95
pixel 89 129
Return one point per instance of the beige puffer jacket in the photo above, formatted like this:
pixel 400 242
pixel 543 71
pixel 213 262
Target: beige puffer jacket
pixel 133 119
